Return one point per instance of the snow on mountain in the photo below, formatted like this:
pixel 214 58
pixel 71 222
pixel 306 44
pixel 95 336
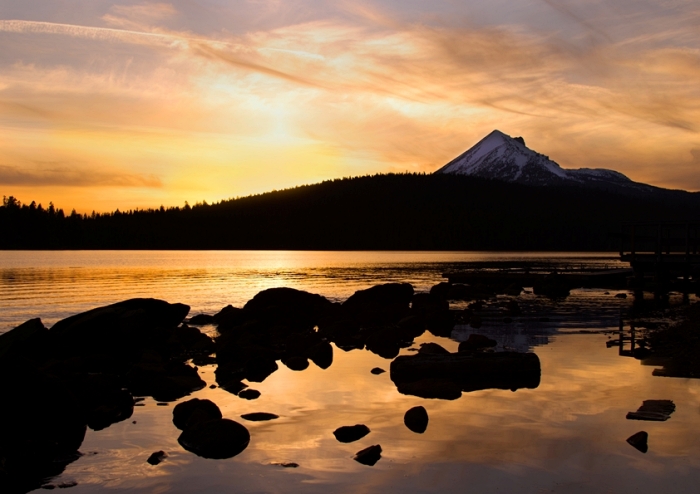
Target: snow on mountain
pixel 501 157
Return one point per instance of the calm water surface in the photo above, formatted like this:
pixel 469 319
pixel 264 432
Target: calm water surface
pixel 566 436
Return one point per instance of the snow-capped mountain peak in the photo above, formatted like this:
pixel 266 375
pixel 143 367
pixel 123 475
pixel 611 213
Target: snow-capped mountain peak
pixel 501 157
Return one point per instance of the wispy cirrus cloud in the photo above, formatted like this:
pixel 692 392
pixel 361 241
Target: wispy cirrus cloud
pixel 51 175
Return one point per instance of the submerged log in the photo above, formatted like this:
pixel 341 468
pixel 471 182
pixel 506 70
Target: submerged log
pixel 504 370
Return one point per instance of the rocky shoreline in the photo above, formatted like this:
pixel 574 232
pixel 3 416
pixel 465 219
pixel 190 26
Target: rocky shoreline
pixel 89 370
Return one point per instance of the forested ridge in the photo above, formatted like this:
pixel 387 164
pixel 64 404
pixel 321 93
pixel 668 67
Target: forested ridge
pixel 380 212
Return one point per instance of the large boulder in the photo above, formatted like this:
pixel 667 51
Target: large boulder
pixel 385 303
pixel 193 411
pixel 472 371
pixel 164 381
pixel 42 425
pixel 24 338
pixel 295 308
pixel 123 328
pixel 216 439
pixel 431 388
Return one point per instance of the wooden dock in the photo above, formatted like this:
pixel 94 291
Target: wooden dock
pixel 663 256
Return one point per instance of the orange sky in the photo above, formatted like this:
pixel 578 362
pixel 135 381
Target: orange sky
pixel 108 105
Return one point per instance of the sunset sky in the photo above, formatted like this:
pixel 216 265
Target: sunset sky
pixel 120 104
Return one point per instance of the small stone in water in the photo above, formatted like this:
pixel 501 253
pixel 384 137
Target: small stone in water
pixel 377 370
pixel 350 433
pixel 157 457
pixel 639 441
pixel 369 456
pixel 259 416
pixel 249 394
pixel 416 419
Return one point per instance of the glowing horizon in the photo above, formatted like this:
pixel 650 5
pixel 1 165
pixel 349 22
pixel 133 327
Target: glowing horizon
pixel 136 104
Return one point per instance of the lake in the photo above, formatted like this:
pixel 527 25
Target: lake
pixel 568 435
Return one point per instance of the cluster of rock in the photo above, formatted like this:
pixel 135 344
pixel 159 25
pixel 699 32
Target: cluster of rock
pixel 89 367
pixel 84 372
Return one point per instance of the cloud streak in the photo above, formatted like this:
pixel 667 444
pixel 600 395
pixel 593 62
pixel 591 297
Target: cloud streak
pixel 61 175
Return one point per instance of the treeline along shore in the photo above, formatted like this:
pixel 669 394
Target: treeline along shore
pixel 380 212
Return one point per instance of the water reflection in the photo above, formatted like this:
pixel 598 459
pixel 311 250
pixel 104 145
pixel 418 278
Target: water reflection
pixel 54 285
pixel 570 431
pixel 566 435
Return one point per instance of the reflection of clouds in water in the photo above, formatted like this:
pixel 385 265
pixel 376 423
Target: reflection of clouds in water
pixel 572 428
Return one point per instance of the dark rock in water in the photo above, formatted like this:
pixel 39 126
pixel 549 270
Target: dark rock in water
pixel 202 319
pixel 476 342
pixel 193 411
pixel 121 328
pixel 380 304
pixel 513 290
pixel 377 370
pixel 241 359
pixel 429 303
pixel 413 325
pixel 42 425
pixel 156 457
pixel 369 456
pixel 653 410
pixel 187 341
pixel 233 387
pixel 258 370
pixel 473 371
pixel 552 286
pixel 441 290
pixel 215 439
pixel 62 485
pixel 440 323
pixel 296 363
pixel 105 402
pixel 249 394
pixel 295 308
pixel 202 360
pixel 259 416
pixel 229 316
pixel 380 296
pixel 639 441
pixel 321 354
pixel 350 433
pixel 167 381
pixel 386 342
pixel 23 337
pixel 513 308
pixel 441 389
pixel 475 321
pixel 432 349
pixel 621 295
pixel 345 333
pixel 416 419
pixel 287 464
